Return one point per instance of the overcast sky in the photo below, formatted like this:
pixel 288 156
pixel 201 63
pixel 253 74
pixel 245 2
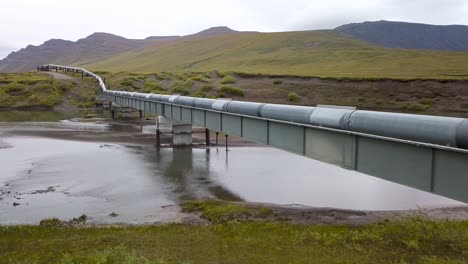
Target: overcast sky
pixel 26 22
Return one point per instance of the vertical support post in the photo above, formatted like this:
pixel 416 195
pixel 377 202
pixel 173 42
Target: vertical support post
pixel 141 114
pixel 217 134
pixel 207 137
pixel 113 114
pixel 158 133
pixel 82 76
pixel 226 142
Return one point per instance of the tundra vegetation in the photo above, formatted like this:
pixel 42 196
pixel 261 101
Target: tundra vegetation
pixel 324 54
pixel 236 233
pixel 435 97
pixel 40 91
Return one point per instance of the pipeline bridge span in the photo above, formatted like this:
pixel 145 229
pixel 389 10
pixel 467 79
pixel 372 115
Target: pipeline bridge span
pixel 428 153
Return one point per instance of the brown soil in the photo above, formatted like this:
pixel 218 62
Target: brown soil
pixel 298 214
pixel 423 97
pixel 60 76
pixel 444 97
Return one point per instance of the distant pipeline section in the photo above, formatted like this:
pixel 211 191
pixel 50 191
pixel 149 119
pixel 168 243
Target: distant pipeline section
pixel 446 131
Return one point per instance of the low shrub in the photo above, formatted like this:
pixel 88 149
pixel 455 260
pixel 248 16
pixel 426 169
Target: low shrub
pixel 182 87
pixel 464 105
pixel 293 97
pixel 223 74
pixel 29 82
pixel 228 79
pixel 416 107
pixel 206 88
pixel 151 86
pixel 230 90
pixel 200 78
pixel 181 90
pixel 15 89
pixel 200 94
pixel 51 222
pixel 277 82
pixel 427 101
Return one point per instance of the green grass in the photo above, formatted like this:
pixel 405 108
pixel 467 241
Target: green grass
pixel 323 54
pixel 233 237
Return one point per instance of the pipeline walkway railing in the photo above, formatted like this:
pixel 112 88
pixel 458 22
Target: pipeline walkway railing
pixel 423 152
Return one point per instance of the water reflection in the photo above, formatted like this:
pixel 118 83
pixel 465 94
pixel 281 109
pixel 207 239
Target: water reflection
pixel 137 181
pixel 273 176
pixel 188 171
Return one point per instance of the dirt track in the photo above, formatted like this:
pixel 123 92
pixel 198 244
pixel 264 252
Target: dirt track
pixel 59 76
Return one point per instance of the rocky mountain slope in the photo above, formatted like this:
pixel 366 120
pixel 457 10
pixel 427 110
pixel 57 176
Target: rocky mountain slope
pixel 91 48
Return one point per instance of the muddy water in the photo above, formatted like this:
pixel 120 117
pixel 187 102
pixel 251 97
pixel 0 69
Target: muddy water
pixel 47 177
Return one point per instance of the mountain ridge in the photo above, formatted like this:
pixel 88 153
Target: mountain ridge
pixel 367 37
pixel 96 46
pixel 405 35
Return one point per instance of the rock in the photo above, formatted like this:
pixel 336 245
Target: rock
pixel 49 189
pixel 113 214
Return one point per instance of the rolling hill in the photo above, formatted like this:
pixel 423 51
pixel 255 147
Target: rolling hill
pixel 409 35
pixel 93 47
pixel 307 53
pixel 322 53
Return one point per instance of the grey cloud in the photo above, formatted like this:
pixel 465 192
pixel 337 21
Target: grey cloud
pixel 419 11
pixel 36 21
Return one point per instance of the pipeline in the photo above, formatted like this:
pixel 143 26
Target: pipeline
pixel 446 131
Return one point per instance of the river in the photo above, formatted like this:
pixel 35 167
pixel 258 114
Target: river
pixel 117 182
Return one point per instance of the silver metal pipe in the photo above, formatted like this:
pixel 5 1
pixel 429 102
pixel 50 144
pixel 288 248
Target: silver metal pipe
pixel 446 131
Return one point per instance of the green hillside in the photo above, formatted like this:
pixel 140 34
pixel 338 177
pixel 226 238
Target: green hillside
pixel 307 53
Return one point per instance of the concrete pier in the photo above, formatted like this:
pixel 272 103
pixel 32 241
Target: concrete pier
pixel 181 132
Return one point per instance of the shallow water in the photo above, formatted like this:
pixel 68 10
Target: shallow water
pixel 64 179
